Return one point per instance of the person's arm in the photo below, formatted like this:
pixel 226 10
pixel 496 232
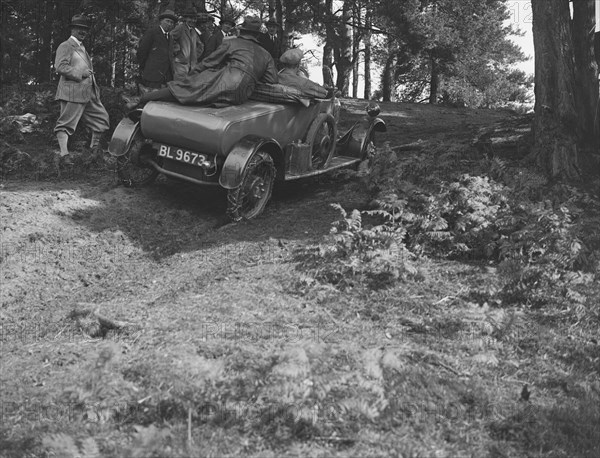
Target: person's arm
pixel 270 75
pixel 144 48
pixel 199 45
pixel 216 59
pixel 63 66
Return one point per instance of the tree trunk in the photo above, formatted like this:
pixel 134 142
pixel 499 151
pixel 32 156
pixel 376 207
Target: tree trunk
pixel 327 65
pixel 355 70
pixel 434 81
pixel 387 78
pixel 343 52
pixel 586 72
pixel 330 38
pixel 555 126
pixel 355 50
pixel 367 40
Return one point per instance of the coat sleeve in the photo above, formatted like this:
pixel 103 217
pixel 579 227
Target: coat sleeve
pixel 63 66
pixel 270 75
pixel 199 46
pixel 144 48
pixel 217 59
pixel 175 37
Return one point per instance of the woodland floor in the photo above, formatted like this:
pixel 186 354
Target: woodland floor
pixel 227 349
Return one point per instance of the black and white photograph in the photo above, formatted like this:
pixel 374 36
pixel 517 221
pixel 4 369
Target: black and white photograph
pixel 284 228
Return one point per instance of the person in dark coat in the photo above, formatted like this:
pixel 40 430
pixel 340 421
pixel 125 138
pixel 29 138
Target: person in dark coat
pixel 226 77
pixel 205 28
pixel 187 46
pixel 154 53
pixel 271 40
pixel 78 92
pixel 224 30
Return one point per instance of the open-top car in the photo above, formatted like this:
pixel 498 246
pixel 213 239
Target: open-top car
pixel 243 148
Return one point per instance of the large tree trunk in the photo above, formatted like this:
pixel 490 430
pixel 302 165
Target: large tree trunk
pixel 555 126
pixel 586 72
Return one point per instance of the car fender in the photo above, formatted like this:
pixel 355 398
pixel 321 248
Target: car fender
pixel 123 136
pixel 238 157
pixel 355 140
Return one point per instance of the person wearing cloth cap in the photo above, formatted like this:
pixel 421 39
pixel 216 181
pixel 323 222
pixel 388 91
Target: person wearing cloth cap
pixel 270 40
pixel 154 53
pixel 291 76
pixel 78 92
pixel 226 27
pixel 205 28
pixel 227 76
pixel 187 46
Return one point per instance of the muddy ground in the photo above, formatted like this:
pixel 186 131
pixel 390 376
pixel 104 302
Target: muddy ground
pixel 225 349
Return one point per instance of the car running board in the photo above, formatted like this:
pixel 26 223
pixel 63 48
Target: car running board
pixel 336 162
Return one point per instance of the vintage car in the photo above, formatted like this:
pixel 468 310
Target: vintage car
pixel 243 148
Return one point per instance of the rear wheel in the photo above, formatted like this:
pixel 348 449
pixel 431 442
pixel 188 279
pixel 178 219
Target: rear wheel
pixel 321 137
pixel 250 198
pixel 132 168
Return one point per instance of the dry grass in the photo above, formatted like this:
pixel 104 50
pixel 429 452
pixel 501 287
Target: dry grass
pixel 234 351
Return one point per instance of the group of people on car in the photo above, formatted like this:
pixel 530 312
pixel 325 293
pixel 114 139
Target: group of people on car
pixel 225 75
pixel 192 62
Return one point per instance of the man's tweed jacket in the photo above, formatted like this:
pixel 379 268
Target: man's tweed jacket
pixel 70 63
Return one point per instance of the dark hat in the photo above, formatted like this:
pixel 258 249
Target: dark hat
pixel 190 12
pixel 228 19
pixel 251 24
pixel 168 14
pixel 205 17
pixel 272 21
pixel 79 20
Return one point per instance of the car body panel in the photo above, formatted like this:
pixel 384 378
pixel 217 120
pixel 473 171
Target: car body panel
pixel 217 130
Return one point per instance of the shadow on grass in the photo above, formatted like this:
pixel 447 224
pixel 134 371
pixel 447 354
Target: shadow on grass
pixel 569 429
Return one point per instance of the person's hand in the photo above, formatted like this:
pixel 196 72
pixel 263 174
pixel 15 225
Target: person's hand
pixel 86 73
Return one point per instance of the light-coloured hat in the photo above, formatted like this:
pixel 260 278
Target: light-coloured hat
pixel 291 57
pixel 251 24
pixel 81 21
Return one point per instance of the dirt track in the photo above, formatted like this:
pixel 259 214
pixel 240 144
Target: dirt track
pixel 75 241
pixel 166 260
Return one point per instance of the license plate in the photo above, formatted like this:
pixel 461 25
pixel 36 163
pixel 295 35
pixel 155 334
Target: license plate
pixel 180 154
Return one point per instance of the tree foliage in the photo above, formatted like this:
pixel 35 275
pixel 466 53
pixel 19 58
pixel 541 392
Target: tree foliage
pixel 450 50
pixel 455 51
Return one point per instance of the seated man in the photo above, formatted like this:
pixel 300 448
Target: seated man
pixel 291 75
pixel 226 77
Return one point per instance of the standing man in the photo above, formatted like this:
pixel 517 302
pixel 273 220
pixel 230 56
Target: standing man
pixel 187 46
pixel 77 91
pixel 155 52
pixel 226 77
pixel 271 41
pixel 205 29
pixel 226 26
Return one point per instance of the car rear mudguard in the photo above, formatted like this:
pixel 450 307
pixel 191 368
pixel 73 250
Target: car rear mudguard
pixel 354 142
pixel 238 157
pixel 123 136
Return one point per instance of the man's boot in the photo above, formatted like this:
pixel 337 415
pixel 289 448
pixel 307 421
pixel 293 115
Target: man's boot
pixel 63 154
pixel 98 144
